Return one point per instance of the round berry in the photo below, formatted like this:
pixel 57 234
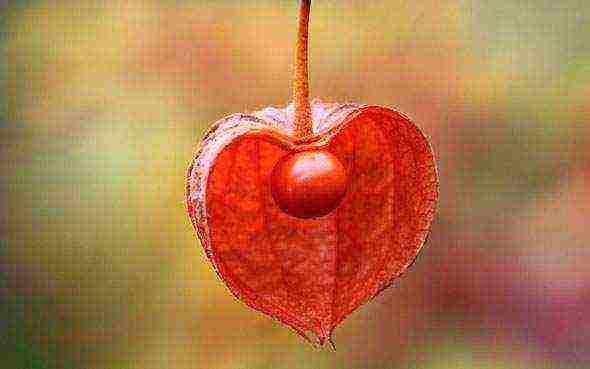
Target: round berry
pixel 308 184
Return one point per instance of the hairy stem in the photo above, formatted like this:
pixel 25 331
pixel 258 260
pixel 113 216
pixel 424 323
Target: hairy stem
pixel 301 74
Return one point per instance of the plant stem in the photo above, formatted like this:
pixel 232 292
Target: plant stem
pixel 301 74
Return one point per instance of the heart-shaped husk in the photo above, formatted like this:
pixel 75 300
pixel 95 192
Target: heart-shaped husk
pixel 310 274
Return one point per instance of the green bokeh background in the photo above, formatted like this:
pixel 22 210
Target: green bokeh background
pixel 103 102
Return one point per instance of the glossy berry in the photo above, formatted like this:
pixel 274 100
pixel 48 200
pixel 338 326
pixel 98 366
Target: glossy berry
pixel 308 184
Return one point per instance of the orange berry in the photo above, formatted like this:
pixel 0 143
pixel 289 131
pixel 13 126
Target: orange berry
pixel 308 184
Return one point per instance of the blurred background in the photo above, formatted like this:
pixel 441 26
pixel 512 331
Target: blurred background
pixel 103 102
